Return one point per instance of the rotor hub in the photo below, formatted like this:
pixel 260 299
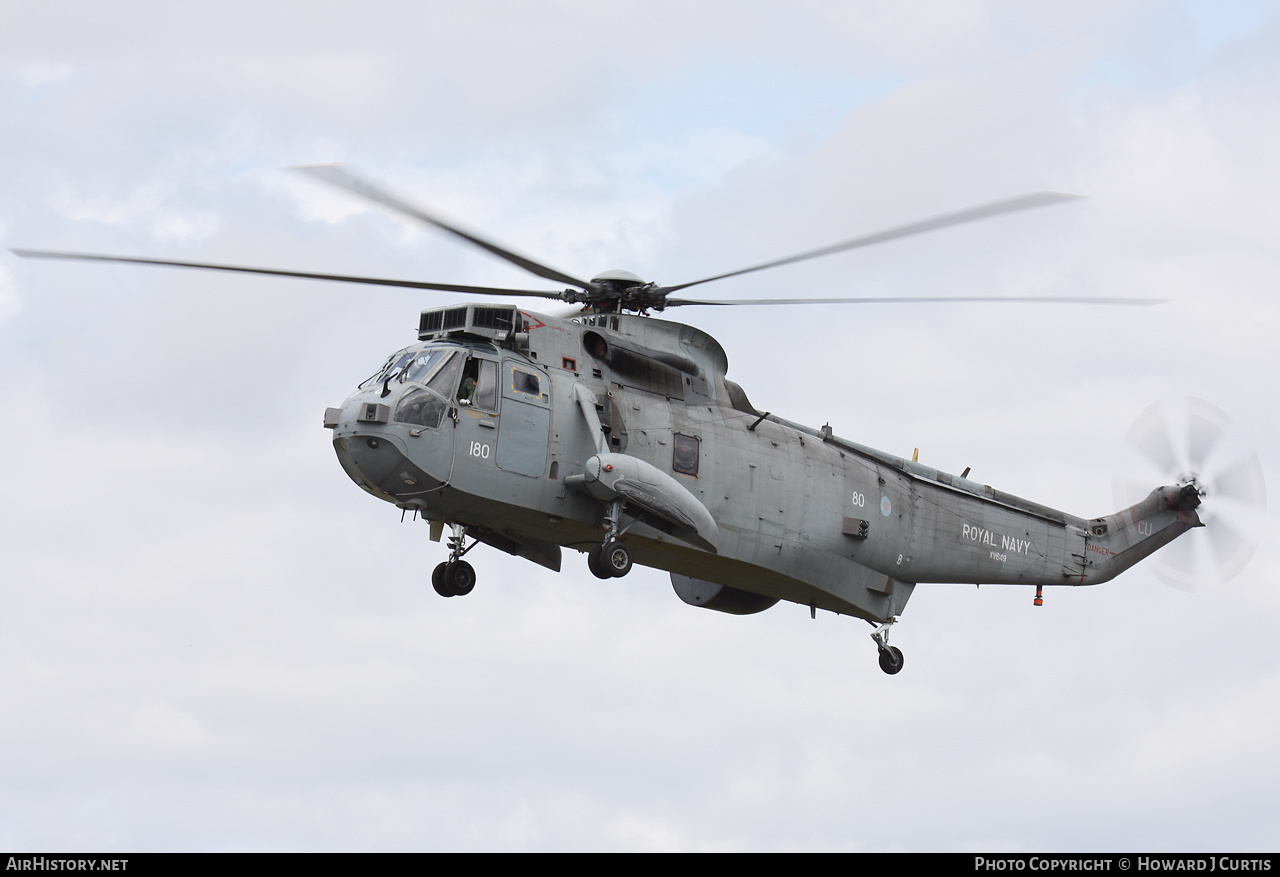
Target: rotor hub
pixel 618 278
pixel 617 290
pixel 1189 493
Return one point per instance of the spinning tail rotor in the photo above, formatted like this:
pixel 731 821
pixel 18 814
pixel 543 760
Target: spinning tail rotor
pixel 1192 443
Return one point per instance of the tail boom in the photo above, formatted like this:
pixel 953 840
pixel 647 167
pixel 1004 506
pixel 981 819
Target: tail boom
pixel 1117 542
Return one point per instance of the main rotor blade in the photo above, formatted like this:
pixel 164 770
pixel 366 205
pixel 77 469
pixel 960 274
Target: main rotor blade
pixel 340 278
pixel 672 302
pixel 335 175
pixel 999 208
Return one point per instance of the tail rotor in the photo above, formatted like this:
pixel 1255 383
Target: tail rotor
pixel 1192 442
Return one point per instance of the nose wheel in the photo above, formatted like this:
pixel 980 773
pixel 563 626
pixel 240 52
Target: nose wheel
pixel 455 577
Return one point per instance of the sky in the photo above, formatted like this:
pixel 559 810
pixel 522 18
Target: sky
pixel 210 639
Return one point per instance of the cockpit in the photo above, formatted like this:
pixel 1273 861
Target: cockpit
pixel 430 376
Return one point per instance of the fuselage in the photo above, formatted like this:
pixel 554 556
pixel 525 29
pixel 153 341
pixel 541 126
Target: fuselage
pixel 482 429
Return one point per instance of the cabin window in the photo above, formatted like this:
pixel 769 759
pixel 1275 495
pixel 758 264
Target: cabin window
pixel 525 382
pixel 685 454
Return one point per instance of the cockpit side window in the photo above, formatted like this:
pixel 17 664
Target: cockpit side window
pixel 420 407
pixel 479 387
pixel 486 396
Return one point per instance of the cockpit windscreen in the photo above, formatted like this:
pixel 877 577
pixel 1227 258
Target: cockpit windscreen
pixel 410 366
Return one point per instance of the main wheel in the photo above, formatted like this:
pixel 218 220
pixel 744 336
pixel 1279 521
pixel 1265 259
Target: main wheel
pixel 459 577
pixel 617 559
pixel 438 581
pixel 891 659
pixel 595 563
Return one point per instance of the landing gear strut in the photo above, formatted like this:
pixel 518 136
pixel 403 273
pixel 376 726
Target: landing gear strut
pixel 890 656
pixel 455 577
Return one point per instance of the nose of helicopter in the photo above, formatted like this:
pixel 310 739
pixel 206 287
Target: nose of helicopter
pixel 384 457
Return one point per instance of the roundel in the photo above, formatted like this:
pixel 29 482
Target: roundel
pixel 886 507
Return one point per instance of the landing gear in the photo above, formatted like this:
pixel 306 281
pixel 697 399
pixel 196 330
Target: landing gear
pixel 455 577
pixel 890 656
pixel 611 560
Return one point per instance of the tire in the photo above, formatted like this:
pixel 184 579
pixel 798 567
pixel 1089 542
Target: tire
pixel 460 578
pixel 617 559
pixel 438 581
pixel 891 660
pixel 595 563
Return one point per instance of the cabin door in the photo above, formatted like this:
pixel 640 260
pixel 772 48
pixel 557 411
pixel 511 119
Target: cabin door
pixel 525 419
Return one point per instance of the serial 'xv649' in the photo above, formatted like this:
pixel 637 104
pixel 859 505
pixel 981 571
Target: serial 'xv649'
pixel 619 434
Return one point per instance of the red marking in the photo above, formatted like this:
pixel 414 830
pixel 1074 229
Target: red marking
pixel 533 322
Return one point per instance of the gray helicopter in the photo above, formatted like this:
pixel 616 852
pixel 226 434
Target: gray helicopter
pixel 619 434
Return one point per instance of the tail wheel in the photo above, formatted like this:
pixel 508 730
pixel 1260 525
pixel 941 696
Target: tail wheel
pixel 891 659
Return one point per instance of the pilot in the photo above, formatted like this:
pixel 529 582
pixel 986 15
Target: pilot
pixel 467 390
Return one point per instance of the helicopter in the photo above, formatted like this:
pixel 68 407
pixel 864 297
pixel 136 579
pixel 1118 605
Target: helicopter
pixel 618 434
